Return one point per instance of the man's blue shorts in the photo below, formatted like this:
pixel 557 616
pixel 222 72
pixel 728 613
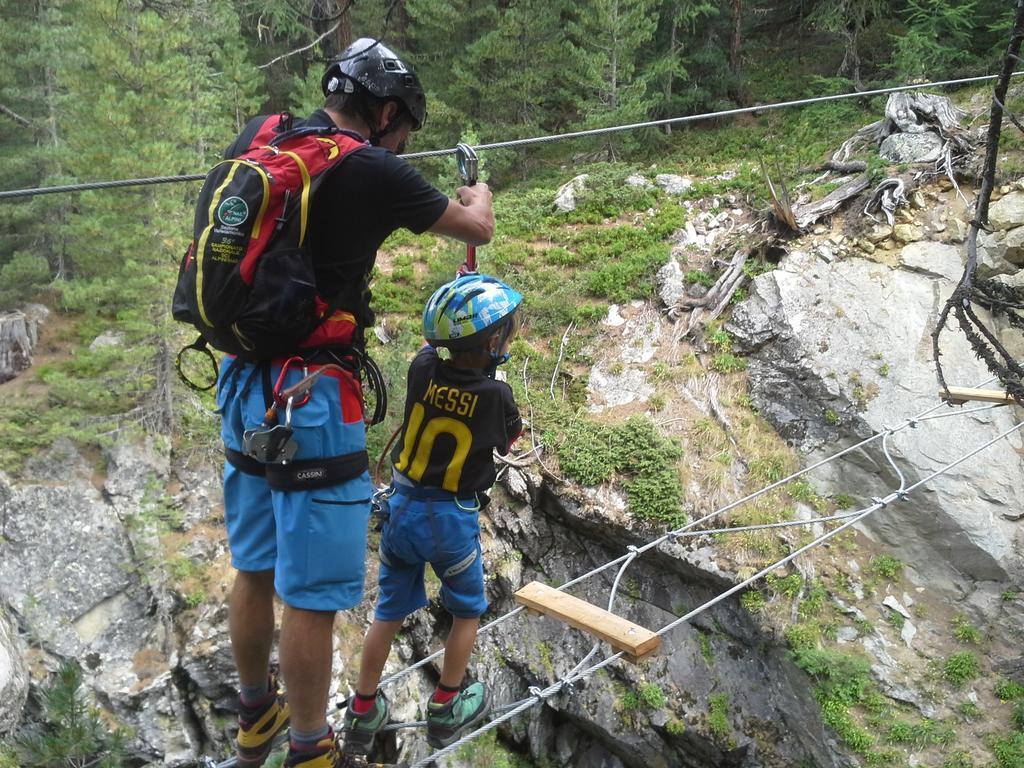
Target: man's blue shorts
pixel 444 532
pixel 314 541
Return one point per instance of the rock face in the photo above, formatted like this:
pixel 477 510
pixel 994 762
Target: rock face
pixel 773 719
pixel 80 575
pixel 13 674
pixel 842 350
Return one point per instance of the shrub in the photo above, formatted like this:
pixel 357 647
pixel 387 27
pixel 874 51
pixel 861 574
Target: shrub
pixel 72 732
pixel 718 715
pixel 887 567
pixel 964 632
pixel 960 668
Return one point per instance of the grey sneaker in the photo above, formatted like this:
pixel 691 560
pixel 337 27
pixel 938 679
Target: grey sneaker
pixel 361 730
pixel 446 723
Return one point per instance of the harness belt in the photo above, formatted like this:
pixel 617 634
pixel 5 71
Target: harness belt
pixel 303 474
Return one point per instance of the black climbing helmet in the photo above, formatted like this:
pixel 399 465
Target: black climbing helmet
pixel 370 64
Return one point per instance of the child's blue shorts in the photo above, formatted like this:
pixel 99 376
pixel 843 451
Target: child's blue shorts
pixel 313 540
pixel 444 532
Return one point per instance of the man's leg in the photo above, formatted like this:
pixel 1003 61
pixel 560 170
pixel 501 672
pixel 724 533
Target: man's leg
pixel 306 646
pixel 251 625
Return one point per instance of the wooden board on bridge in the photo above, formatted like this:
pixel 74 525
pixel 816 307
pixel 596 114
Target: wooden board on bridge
pixel 623 635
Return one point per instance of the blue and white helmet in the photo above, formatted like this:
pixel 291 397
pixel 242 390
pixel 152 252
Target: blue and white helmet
pixel 463 313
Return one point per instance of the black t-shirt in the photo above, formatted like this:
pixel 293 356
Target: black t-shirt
pixel 454 419
pixel 367 196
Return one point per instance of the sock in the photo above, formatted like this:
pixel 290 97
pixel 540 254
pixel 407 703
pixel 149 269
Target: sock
pixel 307 741
pixel 362 704
pixel 253 696
pixel 444 694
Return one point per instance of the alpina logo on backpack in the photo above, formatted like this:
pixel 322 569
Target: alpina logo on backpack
pixel 247 280
pixel 233 211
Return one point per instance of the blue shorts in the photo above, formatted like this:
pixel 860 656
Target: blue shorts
pixel 443 533
pixel 314 540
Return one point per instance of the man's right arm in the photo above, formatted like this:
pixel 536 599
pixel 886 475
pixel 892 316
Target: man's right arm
pixel 469 219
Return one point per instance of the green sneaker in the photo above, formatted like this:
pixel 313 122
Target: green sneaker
pixel 447 722
pixel 361 730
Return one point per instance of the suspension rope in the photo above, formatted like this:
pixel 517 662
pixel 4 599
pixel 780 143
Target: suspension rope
pixel 32 192
pixel 539 695
pixel 848 519
pixel 680 532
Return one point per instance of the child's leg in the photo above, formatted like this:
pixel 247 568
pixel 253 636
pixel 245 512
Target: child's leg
pixel 376 648
pixel 457 650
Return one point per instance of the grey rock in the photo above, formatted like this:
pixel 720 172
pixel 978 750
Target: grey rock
pixel 671 286
pixel 932 259
pixel 638 180
pixel 992 261
pixel 14 679
pixel 107 339
pixel 847 634
pixel 673 183
pixel 565 198
pixel 1007 212
pixel 911 148
pixel 812 329
pixel 894 604
pixel 1015 246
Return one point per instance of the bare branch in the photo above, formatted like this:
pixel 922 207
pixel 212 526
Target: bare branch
pixel 330 31
pixel 15 116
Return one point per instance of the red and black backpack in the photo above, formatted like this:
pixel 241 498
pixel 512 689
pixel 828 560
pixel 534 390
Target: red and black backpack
pixel 247 281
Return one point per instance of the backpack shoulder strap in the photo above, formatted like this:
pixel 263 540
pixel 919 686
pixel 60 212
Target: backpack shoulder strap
pixel 263 127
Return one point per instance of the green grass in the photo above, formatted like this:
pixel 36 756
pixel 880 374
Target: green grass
pixel 961 668
pixel 718 716
pixel 644 696
pixel 887 567
pixel 593 453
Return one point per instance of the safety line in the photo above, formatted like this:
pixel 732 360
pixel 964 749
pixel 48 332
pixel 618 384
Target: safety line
pixel 32 192
pixel 908 423
pixel 538 695
pixel 852 518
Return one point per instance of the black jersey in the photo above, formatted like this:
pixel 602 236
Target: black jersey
pixel 454 419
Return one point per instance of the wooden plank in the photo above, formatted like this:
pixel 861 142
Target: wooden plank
pixel 961 395
pixel 623 635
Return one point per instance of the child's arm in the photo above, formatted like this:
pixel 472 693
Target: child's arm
pixel 513 421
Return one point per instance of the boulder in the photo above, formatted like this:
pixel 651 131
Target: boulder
pixel 673 183
pixel 1007 212
pixel 671 285
pixel 839 351
pixel 912 148
pixel 14 679
pixel 565 198
pixel 935 260
pixel 637 180
pixel 992 253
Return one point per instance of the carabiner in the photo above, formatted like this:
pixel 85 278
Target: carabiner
pixel 278 397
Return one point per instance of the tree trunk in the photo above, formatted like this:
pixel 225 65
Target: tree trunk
pixel 737 37
pixel 54 244
pixel 673 53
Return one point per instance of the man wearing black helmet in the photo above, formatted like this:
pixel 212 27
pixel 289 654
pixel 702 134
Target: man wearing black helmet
pixel 311 550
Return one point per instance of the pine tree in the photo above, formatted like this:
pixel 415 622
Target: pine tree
pixel 611 35
pixel 848 18
pixel 677 83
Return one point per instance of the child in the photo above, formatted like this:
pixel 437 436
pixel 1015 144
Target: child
pixel 456 414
